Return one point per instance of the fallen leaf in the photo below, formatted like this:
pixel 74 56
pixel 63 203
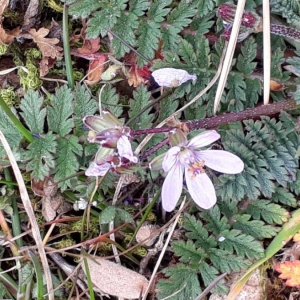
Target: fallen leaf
pixel 3 6
pixel 31 15
pixel 89 46
pixel 138 75
pixel 275 86
pixel 44 188
pixel 116 280
pixel 47 46
pixel 46 64
pixel 7 37
pixel 290 270
pixel 96 68
pixel 54 205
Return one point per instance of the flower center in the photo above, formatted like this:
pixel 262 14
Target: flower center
pixel 196 168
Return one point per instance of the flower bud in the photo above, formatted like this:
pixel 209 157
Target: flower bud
pixel 108 138
pixel 177 138
pixel 250 19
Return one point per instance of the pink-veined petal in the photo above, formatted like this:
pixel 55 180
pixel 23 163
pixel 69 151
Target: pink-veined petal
pixel 124 149
pixel 95 123
pixel 95 170
pixel 221 161
pixel 203 139
pixel 172 188
pixel 201 189
pixel 102 155
pixel 170 158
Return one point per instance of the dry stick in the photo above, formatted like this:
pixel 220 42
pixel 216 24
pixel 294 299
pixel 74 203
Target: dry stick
pixel 163 251
pixel 211 83
pixel 266 50
pixel 229 53
pixel 29 210
pixel 211 286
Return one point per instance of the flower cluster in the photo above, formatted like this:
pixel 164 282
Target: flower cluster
pixel 185 158
pixel 115 150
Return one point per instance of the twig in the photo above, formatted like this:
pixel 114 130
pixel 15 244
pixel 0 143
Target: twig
pixel 211 286
pixel 229 52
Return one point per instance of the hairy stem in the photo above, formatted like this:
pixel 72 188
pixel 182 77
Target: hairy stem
pixel 214 122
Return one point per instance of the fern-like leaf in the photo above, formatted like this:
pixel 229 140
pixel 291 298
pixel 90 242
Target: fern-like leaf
pixel 32 113
pixel 182 283
pixel 141 98
pixel 40 154
pixel 66 160
pixel 254 227
pixel 271 213
pixel 83 106
pixel 188 252
pixel 242 244
pixel 58 117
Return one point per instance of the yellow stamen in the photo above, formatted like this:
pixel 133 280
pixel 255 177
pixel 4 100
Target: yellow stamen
pixel 196 168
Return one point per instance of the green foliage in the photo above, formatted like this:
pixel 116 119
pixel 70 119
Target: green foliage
pixel 111 212
pixel 289 9
pixel 66 160
pixel 141 98
pixel 83 106
pixel 248 54
pixel 32 113
pixel 110 100
pixel 268 155
pixel 40 154
pixel 182 283
pixel 158 20
pixel 59 113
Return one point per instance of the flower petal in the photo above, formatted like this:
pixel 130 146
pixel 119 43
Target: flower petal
pixel 201 189
pixel 203 139
pixel 124 149
pixel 170 158
pixel 221 161
pixel 172 188
pixel 95 170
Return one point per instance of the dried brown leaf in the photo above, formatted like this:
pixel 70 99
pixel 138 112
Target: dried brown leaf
pixel 54 205
pixel 31 14
pixel 46 64
pixel 89 46
pixel 96 68
pixel 47 46
pixel 116 280
pixel 7 37
pixel 3 6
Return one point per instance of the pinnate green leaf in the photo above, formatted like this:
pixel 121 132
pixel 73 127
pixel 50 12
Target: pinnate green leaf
pixel 255 228
pixel 183 280
pixel 83 106
pixel 32 113
pixel 242 244
pixel 141 98
pixel 59 113
pixel 271 213
pixel 66 160
pixel 40 154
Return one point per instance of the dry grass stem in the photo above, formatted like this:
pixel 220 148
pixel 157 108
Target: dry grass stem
pixel 163 250
pixel 267 50
pixel 29 210
pixel 229 53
